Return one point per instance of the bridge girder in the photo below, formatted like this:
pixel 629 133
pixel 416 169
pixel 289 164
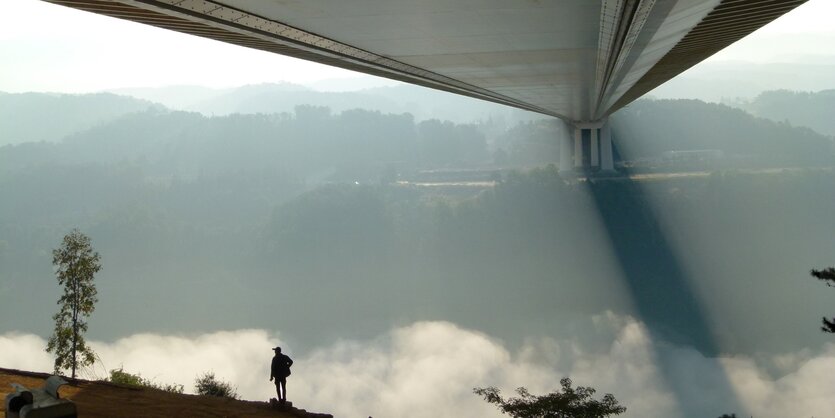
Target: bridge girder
pixel 579 60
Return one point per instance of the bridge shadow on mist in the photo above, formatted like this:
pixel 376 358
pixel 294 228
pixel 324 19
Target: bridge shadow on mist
pixel 660 289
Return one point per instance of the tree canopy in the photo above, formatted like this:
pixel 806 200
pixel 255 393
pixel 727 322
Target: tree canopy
pixel 76 263
pixel 828 276
pixel 568 403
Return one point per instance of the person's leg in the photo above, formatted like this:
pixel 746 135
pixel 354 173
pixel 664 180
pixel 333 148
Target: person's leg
pixel 277 389
pixel 283 383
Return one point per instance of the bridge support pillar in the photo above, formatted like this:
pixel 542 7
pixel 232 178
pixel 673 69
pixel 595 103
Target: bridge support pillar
pixel 597 143
pixel 607 162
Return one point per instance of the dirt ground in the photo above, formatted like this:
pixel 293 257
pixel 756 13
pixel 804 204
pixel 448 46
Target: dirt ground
pixel 107 400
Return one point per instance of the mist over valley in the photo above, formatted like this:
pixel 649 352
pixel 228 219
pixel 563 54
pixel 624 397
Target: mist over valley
pixel 364 237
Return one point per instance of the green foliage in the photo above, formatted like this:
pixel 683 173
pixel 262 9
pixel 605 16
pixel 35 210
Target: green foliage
pixel 828 276
pixel 568 403
pixel 208 385
pixel 120 376
pixel 76 264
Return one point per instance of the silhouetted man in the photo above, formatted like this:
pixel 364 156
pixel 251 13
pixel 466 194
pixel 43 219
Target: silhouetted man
pixel 279 370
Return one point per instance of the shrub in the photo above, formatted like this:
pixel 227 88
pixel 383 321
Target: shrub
pixel 173 387
pixel 208 385
pixel 122 377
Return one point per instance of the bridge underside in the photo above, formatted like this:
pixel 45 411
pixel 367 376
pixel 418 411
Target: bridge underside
pixel 579 60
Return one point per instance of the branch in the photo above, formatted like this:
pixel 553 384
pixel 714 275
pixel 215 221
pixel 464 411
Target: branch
pixel 827 275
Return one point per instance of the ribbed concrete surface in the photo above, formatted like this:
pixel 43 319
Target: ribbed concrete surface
pixel 576 59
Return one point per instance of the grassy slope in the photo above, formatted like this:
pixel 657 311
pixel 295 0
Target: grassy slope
pixel 101 399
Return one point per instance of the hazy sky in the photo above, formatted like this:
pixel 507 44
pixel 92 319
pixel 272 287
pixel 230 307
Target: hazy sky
pixel 804 33
pixel 45 47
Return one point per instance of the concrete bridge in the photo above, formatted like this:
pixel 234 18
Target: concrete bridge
pixel 578 60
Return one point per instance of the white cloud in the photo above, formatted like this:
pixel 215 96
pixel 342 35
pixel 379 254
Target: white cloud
pixel 428 369
pixel 241 357
pixel 24 352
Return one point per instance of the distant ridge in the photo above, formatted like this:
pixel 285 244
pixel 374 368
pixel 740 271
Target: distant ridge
pixel 270 98
pixel 723 80
pixel 190 97
pixel 35 117
pixel 800 108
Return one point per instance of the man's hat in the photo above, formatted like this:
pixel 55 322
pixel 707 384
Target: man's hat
pixel 276 348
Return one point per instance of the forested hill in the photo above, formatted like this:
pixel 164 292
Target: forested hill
pixel 33 117
pixel 320 141
pixel 316 143
pixel 246 254
pixel 312 142
pixel 232 211
pixel 648 128
pixel 815 110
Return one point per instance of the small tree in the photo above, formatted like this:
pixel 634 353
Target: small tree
pixel 568 403
pixel 828 276
pixel 76 263
pixel 208 385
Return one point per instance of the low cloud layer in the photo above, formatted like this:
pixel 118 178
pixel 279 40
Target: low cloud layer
pixel 428 369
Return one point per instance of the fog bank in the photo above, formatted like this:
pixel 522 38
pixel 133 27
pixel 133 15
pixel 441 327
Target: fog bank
pixel 427 369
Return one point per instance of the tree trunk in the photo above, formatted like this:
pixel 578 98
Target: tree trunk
pixel 74 325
